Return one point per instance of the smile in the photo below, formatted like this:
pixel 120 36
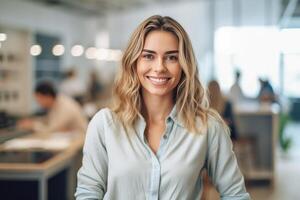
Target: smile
pixel 158 80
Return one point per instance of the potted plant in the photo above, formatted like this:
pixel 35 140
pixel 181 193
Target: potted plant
pixel 284 141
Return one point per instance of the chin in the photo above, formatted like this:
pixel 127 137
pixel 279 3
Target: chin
pixel 158 92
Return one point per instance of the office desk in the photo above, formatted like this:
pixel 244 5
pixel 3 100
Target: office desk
pixel 63 157
pixel 10 133
pixel 260 123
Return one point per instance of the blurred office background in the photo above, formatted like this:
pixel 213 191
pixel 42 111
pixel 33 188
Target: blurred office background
pixel 82 41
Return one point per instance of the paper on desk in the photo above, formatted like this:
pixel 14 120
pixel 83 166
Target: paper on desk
pixel 32 143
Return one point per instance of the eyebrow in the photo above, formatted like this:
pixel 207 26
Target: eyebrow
pixel 168 52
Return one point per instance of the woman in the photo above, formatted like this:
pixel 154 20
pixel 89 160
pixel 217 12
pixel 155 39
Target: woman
pixel 222 106
pixel 160 134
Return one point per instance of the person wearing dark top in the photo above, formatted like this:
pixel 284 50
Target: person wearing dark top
pixel 94 87
pixel 266 92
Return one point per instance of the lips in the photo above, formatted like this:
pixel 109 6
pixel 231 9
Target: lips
pixel 158 80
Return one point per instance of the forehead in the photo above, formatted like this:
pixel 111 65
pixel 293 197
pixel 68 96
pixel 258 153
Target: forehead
pixel 161 41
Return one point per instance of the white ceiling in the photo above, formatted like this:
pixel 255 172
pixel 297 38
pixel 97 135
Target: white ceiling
pixel 97 7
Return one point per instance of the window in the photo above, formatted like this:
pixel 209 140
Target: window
pixel 252 50
pixel 259 52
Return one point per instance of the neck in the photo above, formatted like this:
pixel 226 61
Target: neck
pixel 156 108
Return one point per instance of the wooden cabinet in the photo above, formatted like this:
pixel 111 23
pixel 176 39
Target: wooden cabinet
pixel 258 129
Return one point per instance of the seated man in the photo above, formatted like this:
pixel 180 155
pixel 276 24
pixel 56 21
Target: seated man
pixel 64 114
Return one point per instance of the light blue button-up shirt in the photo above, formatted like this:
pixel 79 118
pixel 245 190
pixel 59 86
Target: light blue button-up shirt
pixel 119 165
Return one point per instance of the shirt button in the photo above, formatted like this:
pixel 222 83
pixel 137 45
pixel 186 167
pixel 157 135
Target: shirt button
pixel 165 137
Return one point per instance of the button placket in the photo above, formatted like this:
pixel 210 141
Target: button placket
pixel 155 179
pixel 156 165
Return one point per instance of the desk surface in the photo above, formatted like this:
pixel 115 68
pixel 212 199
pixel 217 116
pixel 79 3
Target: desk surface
pixel 255 108
pixel 10 133
pixel 63 153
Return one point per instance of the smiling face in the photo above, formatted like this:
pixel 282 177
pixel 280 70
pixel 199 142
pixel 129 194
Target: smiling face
pixel 158 65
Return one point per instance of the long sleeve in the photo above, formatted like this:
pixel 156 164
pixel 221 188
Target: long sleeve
pixel 66 115
pixel 92 176
pixel 222 165
pixel 53 123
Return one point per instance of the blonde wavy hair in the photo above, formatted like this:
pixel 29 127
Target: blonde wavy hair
pixel 190 97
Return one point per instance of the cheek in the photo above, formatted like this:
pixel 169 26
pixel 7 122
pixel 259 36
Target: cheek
pixel 180 72
pixel 44 103
pixel 177 72
pixel 141 69
pixel 39 101
pixel 139 72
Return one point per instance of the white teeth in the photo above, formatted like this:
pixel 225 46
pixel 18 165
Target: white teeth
pixel 159 80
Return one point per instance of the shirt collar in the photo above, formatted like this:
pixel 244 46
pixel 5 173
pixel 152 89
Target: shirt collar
pixel 140 126
pixel 173 116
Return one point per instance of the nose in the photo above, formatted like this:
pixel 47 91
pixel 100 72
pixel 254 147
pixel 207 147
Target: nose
pixel 159 66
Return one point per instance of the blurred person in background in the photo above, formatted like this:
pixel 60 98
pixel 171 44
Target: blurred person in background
pixel 95 87
pixel 235 93
pixel 94 95
pixel 72 86
pixel 63 113
pixel 223 106
pixel 160 134
pixel 266 92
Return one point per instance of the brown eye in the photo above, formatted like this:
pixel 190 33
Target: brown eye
pixel 148 56
pixel 172 58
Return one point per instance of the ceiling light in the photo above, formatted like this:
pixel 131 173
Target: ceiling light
pixel 58 50
pixel 35 50
pixel 77 50
pixel 102 54
pixel 115 55
pixel 91 53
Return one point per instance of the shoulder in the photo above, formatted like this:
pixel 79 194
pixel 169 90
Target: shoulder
pixel 66 101
pixel 104 116
pixel 218 134
pixel 99 124
pixel 216 127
